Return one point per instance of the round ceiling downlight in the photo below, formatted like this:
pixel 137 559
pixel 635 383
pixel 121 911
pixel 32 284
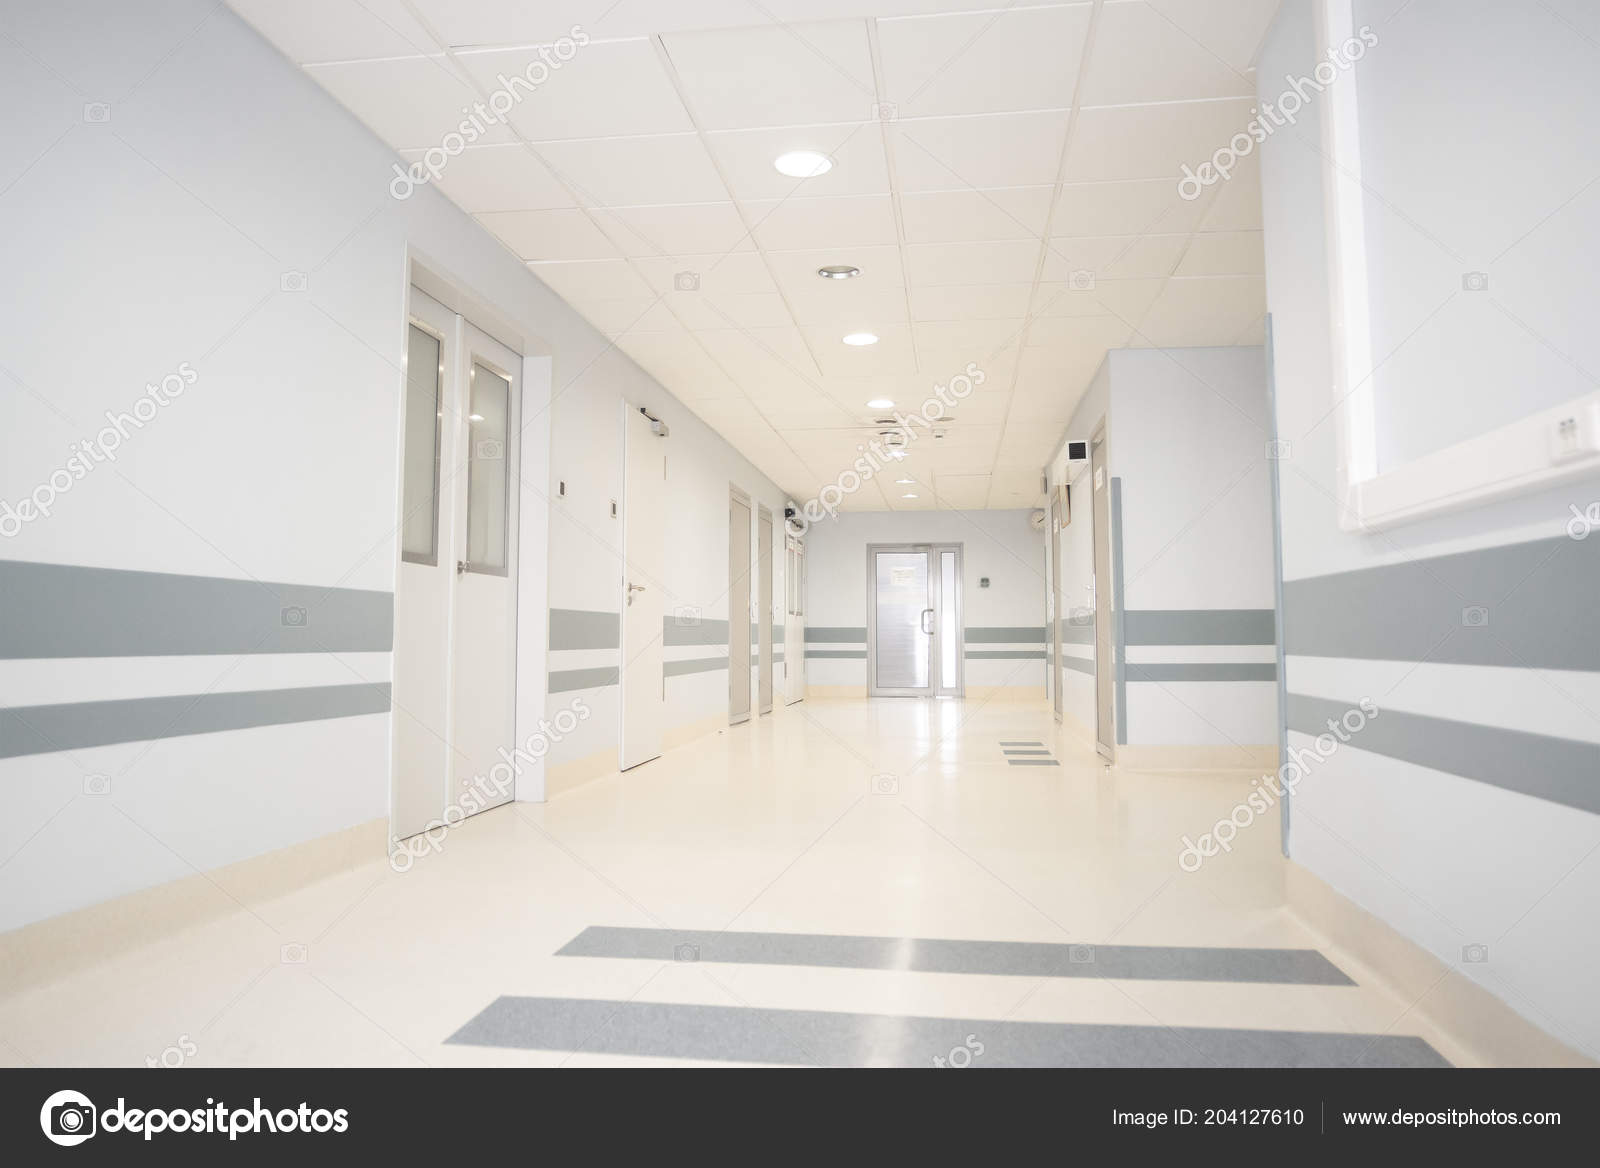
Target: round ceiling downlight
pixel 880 403
pixel 859 339
pixel 839 272
pixel 803 164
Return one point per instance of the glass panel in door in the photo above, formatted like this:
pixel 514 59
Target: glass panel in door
pixel 903 618
pixel 949 637
pixel 487 480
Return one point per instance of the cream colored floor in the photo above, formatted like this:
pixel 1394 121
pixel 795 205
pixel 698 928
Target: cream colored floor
pixel 772 826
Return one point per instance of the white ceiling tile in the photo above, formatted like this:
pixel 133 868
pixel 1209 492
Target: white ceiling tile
pixel 1152 141
pixel 992 150
pixel 969 301
pixel 1232 29
pixel 620 172
pixel 849 305
pixel 1141 54
pixel 860 166
pixel 737 273
pixel 775 75
pixel 1015 486
pixel 892 353
pixel 593 280
pixel 407 101
pixel 1126 299
pixel 708 310
pixel 1113 257
pixel 549 235
pixel 1224 253
pixel 638 314
pixel 1236 206
pixel 1020 59
pixel 752 349
pixel 1124 208
pixel 1027 441
pixel 963 492
pixel 808 224
pixel 679 229
pixel 610 87
pixel 337 30
pixel 999 262
pixel 497 178
pixel 951 216
pixel 1204 311
pixel 500 22
pixel 976 334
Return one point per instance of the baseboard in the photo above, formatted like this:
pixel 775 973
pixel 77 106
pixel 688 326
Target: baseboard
pixel 51 949
pixel 1489 1029
pixel 685 734
pixel 1198 758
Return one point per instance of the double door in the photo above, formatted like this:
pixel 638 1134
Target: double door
pixel 914 626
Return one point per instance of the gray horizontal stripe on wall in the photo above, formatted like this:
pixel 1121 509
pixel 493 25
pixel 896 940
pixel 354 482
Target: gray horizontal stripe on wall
pixel 62 610
pixel 79 725
pixel 1078 664
pixel 703 631
pixel 701 665
pixel 860 654
pixel 824 634
pixel 1537 603
pixel 937 955
pixel 1205 671
pixel 1559 770
pixel 1004 654
pixel 1201 626
pixel 991 634
pixel 748 1034
pixel 578 628
pixel 566 680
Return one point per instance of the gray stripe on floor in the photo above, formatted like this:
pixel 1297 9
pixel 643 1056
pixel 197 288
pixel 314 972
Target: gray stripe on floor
pixel 1015 750
pixel 815 1037
pixel 1032 762
pixel 933 955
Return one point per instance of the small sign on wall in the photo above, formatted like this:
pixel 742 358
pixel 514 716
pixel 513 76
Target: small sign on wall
pixel 902 577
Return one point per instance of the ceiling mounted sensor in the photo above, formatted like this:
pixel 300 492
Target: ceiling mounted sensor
pixel 803 164
pixel 859 339
pixel 839 272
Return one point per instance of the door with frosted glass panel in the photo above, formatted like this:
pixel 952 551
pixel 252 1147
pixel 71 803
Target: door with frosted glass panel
pixel 914 626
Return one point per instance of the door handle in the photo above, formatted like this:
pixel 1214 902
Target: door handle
pixel 461 566
pixel 926 621
pixel 632 588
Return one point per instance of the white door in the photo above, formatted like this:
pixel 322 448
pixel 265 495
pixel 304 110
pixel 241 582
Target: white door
pixel 643 604
pixel 794 621
pixel 420 687
pixel 1105 717
pixel 764 614
pixel 738 606
pixel 915 634
pixel 484 634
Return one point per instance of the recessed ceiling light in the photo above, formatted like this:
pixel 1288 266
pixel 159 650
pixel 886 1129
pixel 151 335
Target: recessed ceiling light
pixel 905 482
pixel 880 403
pixel 803 164
pixel 909 495
pixel 474 417
pixel 839 272
pixel 897 454
pixel 860 338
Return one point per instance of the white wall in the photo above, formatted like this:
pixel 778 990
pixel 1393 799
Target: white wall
pixel 1187 433
pixel 1000 545
pixel 161 237
pixel 1419 826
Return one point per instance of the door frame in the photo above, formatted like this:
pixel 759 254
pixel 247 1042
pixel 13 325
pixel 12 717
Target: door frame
pixel 739 608
pixel 1053 603
pixel 765 674
pixel 936 596
pixel 636 422
pixel 1105 697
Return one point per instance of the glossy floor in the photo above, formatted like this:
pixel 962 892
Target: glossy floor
pixel 844 882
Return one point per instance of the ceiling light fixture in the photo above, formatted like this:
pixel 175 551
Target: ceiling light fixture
pixel 839 272
pixel 859 339
pixel 880 403
pixel 905 482
pixel 909 495
pixel 803 164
